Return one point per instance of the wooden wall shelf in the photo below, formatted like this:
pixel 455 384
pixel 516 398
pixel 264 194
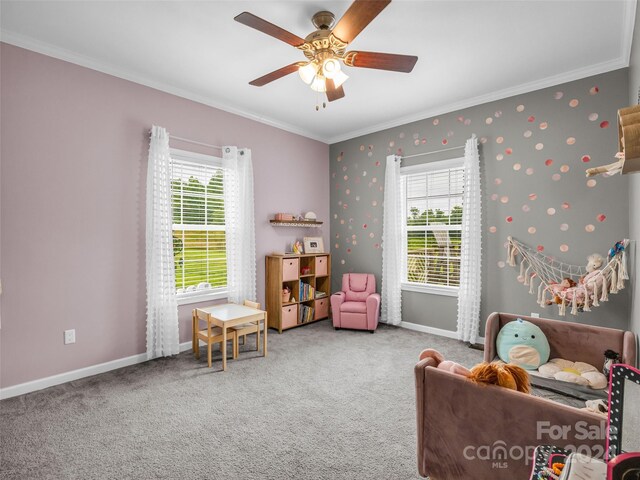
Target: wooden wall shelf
pixel 295 223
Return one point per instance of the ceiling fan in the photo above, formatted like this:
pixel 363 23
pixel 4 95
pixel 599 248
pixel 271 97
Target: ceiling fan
pixel 325 48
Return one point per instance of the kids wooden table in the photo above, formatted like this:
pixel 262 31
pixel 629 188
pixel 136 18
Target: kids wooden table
pixel 230 315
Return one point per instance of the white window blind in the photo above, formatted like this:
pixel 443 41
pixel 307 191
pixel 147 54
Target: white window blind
pixel 199 242
pixel 433 225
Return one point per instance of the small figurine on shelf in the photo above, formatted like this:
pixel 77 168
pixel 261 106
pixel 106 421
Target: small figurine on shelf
pixel 286 294
pixel 297 247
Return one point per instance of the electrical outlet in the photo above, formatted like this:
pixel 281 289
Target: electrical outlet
pixel 70 336
pixel 535 315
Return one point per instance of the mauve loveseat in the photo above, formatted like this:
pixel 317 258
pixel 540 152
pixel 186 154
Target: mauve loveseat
pixel 467 431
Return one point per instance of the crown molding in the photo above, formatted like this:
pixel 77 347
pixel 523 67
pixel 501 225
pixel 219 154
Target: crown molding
pixel 629 20
pixel 487 98
pixel 47 49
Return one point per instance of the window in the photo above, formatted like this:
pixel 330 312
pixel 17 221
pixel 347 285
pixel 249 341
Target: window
pixel 432 196
pixel 199 245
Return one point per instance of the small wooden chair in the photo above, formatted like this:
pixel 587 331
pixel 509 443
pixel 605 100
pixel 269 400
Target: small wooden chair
pixel 210 335
pixel 246 328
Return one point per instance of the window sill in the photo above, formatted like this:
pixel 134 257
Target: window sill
pixel 432 289
pixel 197 297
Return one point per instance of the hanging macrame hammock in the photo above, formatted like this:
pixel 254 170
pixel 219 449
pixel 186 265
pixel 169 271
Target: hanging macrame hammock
pixel 588 290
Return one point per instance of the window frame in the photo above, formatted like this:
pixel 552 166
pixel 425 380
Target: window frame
pixel 405 285
pixel 214 162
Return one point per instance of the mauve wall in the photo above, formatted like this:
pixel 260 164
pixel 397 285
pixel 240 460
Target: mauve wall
pixel 534 151
pixel 74 161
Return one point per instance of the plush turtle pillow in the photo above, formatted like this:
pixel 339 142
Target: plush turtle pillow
pixel 524 344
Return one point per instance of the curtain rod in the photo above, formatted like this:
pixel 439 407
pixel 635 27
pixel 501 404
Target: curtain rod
pixel 431 153
pixel 194 142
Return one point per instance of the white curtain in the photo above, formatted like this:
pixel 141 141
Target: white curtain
pixel 392 244
pixel 162 307
pixel 239 224
pixel 470 261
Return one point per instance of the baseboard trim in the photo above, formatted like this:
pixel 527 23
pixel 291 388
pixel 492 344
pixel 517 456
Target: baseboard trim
pixel 441 332
pixel 53 380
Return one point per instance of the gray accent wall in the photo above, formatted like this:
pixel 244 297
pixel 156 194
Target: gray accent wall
pixel 634 182
pixel 534 150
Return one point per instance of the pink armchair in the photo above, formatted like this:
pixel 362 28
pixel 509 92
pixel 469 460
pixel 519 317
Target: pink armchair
pixel 357 306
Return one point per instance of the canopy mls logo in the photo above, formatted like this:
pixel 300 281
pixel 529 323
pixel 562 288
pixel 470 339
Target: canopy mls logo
pixel 499 453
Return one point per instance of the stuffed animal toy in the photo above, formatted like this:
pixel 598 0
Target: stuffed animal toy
pixel 524 344
pixel 579 373
pixel 502 374
pixel 557 288
pixel 593 278
pixel 443 364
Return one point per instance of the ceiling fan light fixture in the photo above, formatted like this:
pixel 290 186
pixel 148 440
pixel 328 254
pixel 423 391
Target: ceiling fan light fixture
pixel 318 84
pixel 331 67
pixel 308 73
pixel 340 78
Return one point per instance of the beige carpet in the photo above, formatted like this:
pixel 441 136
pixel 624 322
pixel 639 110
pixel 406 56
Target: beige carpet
pixel 324 404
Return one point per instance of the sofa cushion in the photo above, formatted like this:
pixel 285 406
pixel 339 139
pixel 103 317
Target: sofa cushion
pixel 358 282
pixel 354 307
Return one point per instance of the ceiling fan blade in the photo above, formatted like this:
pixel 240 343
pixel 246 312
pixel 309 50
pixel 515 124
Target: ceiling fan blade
pixel 381 61
pixel 333 92
pixel 258 23
pixel 357 17
pixel 276 74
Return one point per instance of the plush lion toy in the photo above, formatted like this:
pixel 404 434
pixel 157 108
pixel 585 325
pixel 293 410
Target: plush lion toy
pixel 503 374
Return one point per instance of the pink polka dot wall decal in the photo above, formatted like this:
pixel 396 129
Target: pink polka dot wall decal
pixel 340 156
pixel 527 134
pixel 593 117
pixel 504 199
pixel 371 235
pixel 501 264
pixel 498 114
pixel 345 206
pixel 445 141
pixel 370 147
pixel 392 143
pixel 364 173
pixel 377 245
pixel 526 208
pixel 357 198
pixel 370 154
pixel 517 166
pixel 593 90
pixel 508 151
pixel 336 246
pixel 591 183
pixel 374 203
pixel 556 177
pixel 364 225
pixel 590 228
pixel 604 124
pixel 574 103
pixel 499 139
pixel 497 181
pixel 423 141
pixel 488 120
pixel 531 119
pixel 602 217
pixel 499 157
pixel 551 211
pixel 467 122
pixel 436 121
pixel 342 221
pixel 483 140
pixel 540 248
pixel 532 230
pixel 342 261
pixel 377 164
pixel 566 206
pixel 564 248
pixel 347 191
pixel 564 168
pixel 548 162
pixel 558 95
pixel 362 148
pixel 533 196
pixel 374 180
pixel 461 119
pixel 586 158
pixel 494 197
pixel 564 227
pixel 335 215
pixel 348 250
pixel 571 141
pixel 539 146
pixel 493 229
pixel 346 177
pixel 544 125
pixel 416 142
pixel 529 171
pixel 520 108
pixel 508 219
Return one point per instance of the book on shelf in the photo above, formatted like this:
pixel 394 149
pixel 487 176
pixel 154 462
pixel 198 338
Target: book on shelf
pixel 306 292
pixel 306 314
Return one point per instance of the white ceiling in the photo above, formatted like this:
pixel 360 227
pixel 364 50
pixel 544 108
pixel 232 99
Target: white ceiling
pixel 469 52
